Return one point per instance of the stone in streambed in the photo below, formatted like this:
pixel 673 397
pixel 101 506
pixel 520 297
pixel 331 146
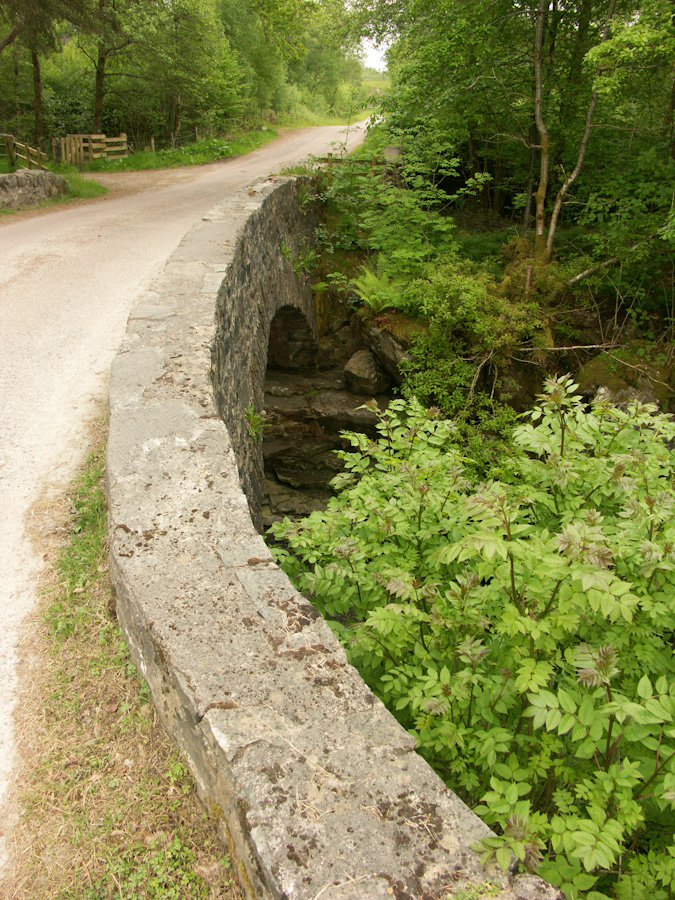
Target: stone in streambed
pixel 365 375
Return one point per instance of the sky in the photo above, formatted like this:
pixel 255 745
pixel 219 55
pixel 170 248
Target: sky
pixel 374 56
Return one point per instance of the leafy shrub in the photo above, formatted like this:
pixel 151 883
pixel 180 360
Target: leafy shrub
pixel 521 629
pixel 378 292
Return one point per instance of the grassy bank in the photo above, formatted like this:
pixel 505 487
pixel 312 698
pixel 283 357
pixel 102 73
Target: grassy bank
pixel 194 154
pixel 309 119
pixel 107 807
pixel 79 188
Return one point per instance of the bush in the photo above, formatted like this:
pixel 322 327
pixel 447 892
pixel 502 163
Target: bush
pixel 521 629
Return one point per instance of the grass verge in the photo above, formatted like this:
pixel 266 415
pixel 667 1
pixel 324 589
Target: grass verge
pixel 310 118
pixel 107 808
pixel 194 154
pixel 79 188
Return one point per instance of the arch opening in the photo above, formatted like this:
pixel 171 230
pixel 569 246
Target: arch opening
pixel 292 345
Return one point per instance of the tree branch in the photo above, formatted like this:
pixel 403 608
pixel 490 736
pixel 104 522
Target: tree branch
pixel 612 261
pixel 9 37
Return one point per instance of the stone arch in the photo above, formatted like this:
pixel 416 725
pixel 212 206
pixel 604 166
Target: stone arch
pixel 262 298
pixel 292 343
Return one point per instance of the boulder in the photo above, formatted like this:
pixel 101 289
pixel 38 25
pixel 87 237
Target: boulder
pixel 638 371
pixel 27 187
pixel 387 350
pixel 365 375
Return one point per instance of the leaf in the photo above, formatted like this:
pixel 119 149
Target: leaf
pixel 553 719
pixel 504 857
pixel 644 687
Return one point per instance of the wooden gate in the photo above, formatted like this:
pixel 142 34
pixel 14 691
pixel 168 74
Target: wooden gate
pixel 77 149
pixel 19 152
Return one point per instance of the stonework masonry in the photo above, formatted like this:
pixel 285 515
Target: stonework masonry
pixel 261 283
pixel 26 187
pixel 316 788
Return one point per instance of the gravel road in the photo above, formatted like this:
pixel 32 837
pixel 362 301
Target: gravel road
pixel 68 278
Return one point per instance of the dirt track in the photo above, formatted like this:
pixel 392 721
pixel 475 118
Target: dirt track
pixel 68 278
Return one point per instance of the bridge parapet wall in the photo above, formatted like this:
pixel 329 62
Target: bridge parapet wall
pixel 316 787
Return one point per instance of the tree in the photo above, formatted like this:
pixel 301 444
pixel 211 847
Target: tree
pixel 520 86
pixel 34 23
pixel 36 20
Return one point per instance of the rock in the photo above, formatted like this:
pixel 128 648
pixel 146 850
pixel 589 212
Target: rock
pixel 290 384
pixel 27 187
pixel 364 374
pixel 322 413
pixel 389 352
pixel 637 371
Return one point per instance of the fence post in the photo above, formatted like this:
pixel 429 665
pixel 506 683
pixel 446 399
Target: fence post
pixel 11 149
pixel 152 143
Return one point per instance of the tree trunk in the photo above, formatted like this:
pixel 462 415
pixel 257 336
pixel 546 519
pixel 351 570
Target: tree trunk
pixel 99 81
pixel 37 98
pixel 667 125
pixel 582 153
pixel 527 212
pixel 99 90
pixel 17 105
pixel 571 83
pixel 542 131
pixel 176 113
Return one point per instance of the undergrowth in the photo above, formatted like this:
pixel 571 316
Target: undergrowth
pixel 521 628
pixel 107 807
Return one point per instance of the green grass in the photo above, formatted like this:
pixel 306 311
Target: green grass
pixel 108 808
pixel 309 118
pixel 79 188
pixel 193 154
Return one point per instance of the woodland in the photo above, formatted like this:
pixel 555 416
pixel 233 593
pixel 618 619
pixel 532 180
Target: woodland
pixel 171 70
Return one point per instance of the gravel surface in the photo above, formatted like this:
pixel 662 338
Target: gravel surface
pixel 68 278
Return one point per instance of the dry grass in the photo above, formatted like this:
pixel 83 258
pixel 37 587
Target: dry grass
pixel 106 808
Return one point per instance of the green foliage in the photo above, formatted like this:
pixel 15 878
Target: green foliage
pixel 521 628
pixel 378 292
pixel 255 422
pixel 302 260
pixel 77 563
pixel 151 873
pixel 150 68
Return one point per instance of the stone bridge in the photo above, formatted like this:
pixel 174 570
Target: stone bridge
pixel 316 788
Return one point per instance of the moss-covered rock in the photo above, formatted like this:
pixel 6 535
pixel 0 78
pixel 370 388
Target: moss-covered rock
pixel 637 371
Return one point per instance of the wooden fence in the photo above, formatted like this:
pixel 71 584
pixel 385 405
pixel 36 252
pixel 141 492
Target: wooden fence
pixel 80 148
pixel 22 153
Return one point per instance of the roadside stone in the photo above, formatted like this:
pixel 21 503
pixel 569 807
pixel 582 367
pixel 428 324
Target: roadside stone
pixel 365 375
pixel 27 187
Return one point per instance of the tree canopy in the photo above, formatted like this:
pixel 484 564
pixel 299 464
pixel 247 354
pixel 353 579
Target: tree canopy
pixel 158 68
